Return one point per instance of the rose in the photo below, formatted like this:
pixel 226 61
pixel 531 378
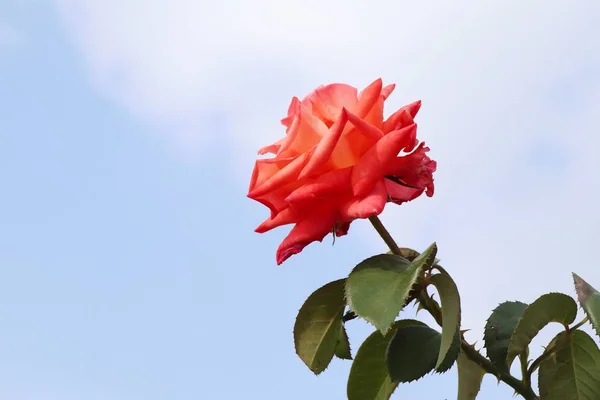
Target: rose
pixel 339 161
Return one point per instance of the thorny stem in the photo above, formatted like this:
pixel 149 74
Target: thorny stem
pixel 469 350
pixel 538 361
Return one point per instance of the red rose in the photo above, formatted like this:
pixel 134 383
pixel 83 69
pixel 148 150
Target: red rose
pixel 339 161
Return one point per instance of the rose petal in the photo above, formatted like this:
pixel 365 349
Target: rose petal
pixel 341 229
pixel 323 151
pixel 284 217
pixel 313 228
pixel 371 204
pixel 375 116
pixel 275 199
pixel 334 182
pixel 272 148
pixel 400 194
pixel 264 169
pixel 386 91
pixel 285 175
pixel 305 132
pixel 328 101
pixel 367 98
pixel 415 169
pixel 355 142
pixel 368 130
pixel 376 161
pixel 403 117
pixel 293 110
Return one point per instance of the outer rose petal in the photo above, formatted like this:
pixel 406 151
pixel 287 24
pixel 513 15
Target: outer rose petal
pixel 312 228
pixel 367 98
pixel 282 144
pixel 403 117
pixel 400 194
pixel 275 199
pixel 284 217
pixel 372 204
pixel 375 116
pixel 335 183
pixel 293 110
pixel 373 165
pixel 272 148
pixel 328 101
pixel 386 91
pixel 416 169
pixel 265 169
pixel 341 229
pixel 286 175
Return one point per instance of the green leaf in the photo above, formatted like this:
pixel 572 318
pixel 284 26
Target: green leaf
pixel 369 378
pixel 450 299
pixel 498 331
pixel 411 254
pixel 378 287
pixel 318 325
pixel 342 348
pixel 551 307
pixel 589 298
pixel 412 353
pixel 470 375
pixel 451 356
pixel 573 371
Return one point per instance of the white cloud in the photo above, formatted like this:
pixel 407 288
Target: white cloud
pixel 493 77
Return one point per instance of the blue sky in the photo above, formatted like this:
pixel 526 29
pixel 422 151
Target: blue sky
pixel 129 268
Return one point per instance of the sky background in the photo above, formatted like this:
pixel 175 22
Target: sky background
pixel 129 269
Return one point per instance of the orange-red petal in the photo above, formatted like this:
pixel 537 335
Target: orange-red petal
pixel 305 132
pixel 403 117
pixel 336 182
pixel 370 131
pixel 400 194
pixel 313 228
pixel 371 204
pixel 376 161
pixel 328 101
pixel 284 217
pixel 287 174
pixel 325 147
pixel 386 91
pixel 367 98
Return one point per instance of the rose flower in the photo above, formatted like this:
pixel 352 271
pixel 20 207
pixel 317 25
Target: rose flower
pixel 339 161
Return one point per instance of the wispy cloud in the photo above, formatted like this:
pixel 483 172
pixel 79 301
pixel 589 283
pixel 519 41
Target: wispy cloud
pixel 517 187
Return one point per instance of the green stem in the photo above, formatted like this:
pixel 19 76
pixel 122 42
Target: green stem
pixel 524 390
pixel 385 235
pixel 434 309
pixel 538 361
pixel 525 377
pixel 579 324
